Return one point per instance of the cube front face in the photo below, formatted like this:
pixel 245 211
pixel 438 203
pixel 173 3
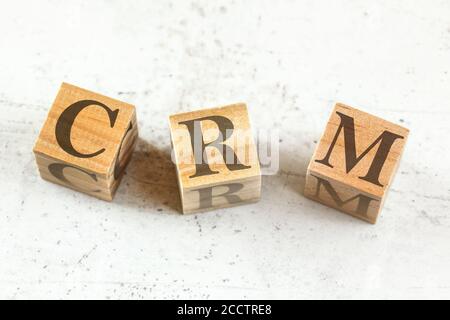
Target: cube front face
pixel 86 141
pixel 355 162
pixel 216 158
pixel 342 197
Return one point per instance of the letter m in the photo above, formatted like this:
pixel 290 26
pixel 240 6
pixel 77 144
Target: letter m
pixel 363 200
pixel 385 142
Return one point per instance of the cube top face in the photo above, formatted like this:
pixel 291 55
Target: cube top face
pixel 213 146
pixel 360 150
pixel 85 129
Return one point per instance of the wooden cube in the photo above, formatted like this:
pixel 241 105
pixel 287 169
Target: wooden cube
pixel 354 162
pixel 86 141
pixel 216 159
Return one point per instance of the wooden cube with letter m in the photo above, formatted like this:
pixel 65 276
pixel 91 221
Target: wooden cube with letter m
pixel 355 162
pixel 86 141
pixel 215 157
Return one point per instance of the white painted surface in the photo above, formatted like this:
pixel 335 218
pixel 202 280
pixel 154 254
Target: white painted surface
pixel 290 61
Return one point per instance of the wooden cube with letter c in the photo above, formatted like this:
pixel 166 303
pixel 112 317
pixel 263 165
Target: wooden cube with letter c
pixel 355 162
pixel 216 158
pixel 86 141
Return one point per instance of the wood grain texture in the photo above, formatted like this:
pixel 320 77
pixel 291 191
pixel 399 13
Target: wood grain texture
pixel 232 173
pixel 355 162
pixel 97 141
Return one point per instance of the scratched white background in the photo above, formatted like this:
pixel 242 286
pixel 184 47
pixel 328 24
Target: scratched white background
pixel 289 61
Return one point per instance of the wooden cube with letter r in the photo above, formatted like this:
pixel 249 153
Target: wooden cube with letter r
pixel 216 158
pixel 355 162
pixel 86 141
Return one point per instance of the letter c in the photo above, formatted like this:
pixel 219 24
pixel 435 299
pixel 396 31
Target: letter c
pixel 230 308
pixel 57 170
pixel 65 122
pixel 117 168
pixel 238 309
